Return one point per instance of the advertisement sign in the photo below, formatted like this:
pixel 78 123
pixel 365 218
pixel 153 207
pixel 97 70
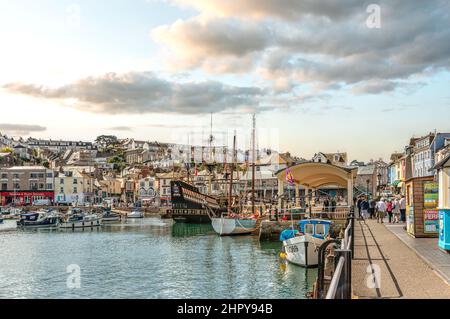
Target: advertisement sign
pixel 431 221
pixel 410 219
pixel 430 195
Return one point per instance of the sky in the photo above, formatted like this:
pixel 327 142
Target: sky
pixel 321 75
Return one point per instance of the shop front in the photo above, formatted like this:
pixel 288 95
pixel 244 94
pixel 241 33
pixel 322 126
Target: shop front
pixel 25 198
pixel 443 169
pixel 422 214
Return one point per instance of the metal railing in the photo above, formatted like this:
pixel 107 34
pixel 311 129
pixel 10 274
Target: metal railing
pixel 341 283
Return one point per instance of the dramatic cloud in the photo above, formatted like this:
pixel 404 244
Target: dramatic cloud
pixel 144 93
pixel 326 43
pixel 21 129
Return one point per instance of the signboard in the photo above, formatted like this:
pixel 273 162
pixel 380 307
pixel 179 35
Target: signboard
pixel 431 221
pixel 430 195
pixel 410 220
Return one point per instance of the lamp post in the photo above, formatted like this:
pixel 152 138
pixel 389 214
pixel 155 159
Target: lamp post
pixel 367 182
pixel 379 183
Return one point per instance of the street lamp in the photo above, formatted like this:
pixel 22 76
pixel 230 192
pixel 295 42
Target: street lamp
pixel 367 182
pixel 379 183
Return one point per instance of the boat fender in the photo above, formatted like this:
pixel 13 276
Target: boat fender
pixel 282 255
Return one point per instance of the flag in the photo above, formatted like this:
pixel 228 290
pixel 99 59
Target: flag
pixel 289 176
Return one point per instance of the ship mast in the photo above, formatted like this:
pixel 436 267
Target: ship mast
pixel 233 161
pixel 254 163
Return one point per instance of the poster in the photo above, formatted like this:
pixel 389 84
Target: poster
pixel 410 220
pixel 430 195
pixel 431 221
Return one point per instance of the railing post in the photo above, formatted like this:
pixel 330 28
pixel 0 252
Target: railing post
pixel 344 290
pixel 321 266
pixel 352 240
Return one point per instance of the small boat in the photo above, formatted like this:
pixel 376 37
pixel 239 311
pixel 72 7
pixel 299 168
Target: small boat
pixel 226 226
pixel 12 213
pixel 109 216
pixel 300 247
pixel 40 219
pixel 135 214
pixel 79 219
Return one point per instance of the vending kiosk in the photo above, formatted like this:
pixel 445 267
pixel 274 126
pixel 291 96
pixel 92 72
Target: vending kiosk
pixel 422 215
pixel 443 169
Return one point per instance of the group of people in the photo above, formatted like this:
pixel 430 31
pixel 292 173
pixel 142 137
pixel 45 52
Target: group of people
pixel 394 208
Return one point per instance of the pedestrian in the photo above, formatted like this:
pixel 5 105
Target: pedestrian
pixel 326 205
pixel 389 210
pixel 396 211
pixel 358 205
pixel 402 204
pixel 333 204
pixel 372 204
pixel 381 210
pixel 365 208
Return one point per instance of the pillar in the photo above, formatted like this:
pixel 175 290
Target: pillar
pixel 297 195
pixel 280 193
pixel 350 192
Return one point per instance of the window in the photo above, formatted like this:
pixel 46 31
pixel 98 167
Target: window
pixel 49 186
pixel 309 229
pixel 16 186
pixel 61 190
pixel 33 186
pixel 61 181
pixel 75 181
pixel 15 176
pixel 75 190
pixel 4 175
pixel 49 175
pixel 4 187
pixel 41 175
pixel 41 186
pixel 320 229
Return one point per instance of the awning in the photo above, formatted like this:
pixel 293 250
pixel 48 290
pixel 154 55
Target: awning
pixel 395 183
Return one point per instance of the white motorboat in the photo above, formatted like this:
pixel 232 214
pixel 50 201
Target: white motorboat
pixel 135 214
pixel 301 247
pixel 110 217
pixel 226 226
pixel 78 219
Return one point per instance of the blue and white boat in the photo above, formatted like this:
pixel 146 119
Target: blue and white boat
pixel 40 219
pixel 301 246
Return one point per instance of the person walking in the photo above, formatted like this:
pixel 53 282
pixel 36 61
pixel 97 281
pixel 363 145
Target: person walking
pixel 402 204
pixel 333 204
pixel 358 205
pixel 372 204
pixel 396 211
pixel 389 210
pixel 381 210
pixel 365 208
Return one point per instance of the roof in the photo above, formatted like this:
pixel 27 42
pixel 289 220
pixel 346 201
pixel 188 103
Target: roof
pixel 366 170
pixel 442 163
pixel 28 168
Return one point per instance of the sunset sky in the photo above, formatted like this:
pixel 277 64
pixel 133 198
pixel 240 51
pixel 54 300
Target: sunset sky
pixel 318 78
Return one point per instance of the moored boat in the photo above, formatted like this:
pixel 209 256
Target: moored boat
pixel 109 217
pixel 226 226
pixel 79 219
pixel 135 214
pixel 300 247
pixel 40 219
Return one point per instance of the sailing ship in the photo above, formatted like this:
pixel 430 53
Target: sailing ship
pixel 189 205
pixel 232 223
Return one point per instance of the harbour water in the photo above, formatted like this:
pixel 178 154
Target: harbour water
pixel 148 258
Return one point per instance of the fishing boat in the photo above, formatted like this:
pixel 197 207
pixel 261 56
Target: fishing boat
pixel 243 223
pixel 189 205
pixel 135 214
pixel 300 247
pixel 77 218
pixel 40 219
pixel 110 217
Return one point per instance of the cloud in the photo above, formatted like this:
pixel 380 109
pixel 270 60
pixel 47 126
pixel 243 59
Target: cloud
pixel 121 128
pixel 137 92
pixel 21 129
pixel 325 43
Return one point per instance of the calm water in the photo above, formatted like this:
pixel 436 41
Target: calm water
pixel 146 258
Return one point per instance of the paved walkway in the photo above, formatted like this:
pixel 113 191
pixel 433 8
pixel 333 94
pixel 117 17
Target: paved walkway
pixel 427 249
pixel 401 272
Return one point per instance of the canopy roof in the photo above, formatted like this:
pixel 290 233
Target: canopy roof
pixel 316 175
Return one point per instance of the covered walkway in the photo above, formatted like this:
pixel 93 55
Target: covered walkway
pixel 313 176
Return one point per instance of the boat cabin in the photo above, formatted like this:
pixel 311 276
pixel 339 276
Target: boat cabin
pixel 317 228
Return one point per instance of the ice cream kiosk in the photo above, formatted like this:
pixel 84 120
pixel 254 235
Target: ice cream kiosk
pixel 443 169
pixel 422 215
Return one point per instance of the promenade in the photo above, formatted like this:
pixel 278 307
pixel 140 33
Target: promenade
pixel 403 272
